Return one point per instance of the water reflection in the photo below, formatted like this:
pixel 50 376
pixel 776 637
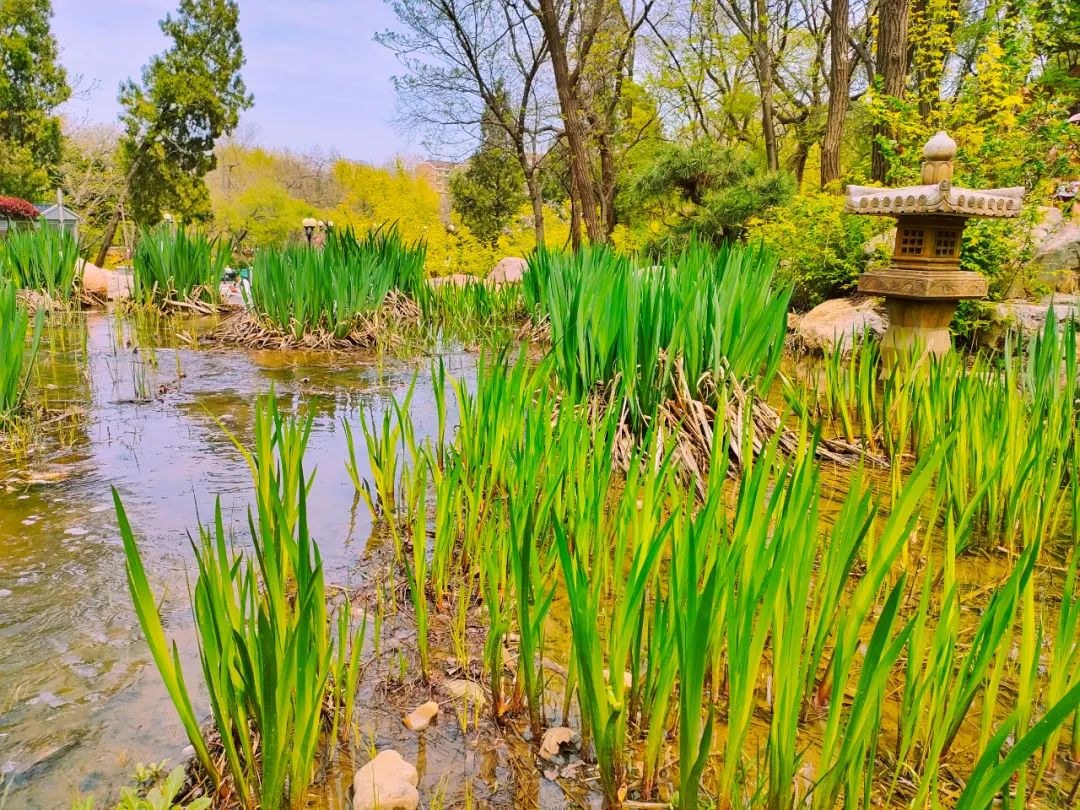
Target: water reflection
pixel 80 702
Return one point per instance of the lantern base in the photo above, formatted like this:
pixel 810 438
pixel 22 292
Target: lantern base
pixel 920 304
pixel 917 328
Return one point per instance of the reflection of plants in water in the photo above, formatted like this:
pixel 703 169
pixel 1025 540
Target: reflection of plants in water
pixel 471 313
pixel 16 361
pixel 156 791
pixel 268 656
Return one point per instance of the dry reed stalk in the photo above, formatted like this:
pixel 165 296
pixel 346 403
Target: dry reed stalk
pixel 691 422
pixel 534 331
pixel 377 329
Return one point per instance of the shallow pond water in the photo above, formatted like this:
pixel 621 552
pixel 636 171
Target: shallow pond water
pixel 80 701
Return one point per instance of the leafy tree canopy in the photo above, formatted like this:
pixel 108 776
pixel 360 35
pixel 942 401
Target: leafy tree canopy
pixel 32 85
pixel 189 96
pixel 490 192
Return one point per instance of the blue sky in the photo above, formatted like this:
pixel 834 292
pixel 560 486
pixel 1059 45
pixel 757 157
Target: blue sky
pixel 318 77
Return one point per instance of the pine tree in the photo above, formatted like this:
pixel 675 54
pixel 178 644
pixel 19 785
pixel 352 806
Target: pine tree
pixel 189 96
pixel 490 192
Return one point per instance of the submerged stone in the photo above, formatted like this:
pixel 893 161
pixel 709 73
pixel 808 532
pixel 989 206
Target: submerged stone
pixel 388 782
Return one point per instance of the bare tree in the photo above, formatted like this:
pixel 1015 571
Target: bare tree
pixel 468 61
pixel 606 107
pixel 557 21
pixel 701 79
pixel 90 171
pixel 762 24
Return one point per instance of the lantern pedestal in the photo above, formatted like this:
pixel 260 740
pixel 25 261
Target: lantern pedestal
pixel 920 304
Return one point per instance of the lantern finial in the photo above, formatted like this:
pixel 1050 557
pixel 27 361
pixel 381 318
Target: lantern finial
pixel 937 159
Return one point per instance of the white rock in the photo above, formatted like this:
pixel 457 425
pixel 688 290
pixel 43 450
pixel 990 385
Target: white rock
pixel 388 782
pixel 1030 318
pixel 841 321
pixel 422 716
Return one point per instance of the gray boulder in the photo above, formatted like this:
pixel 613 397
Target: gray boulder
pixel 1029 317
pixel 1056 257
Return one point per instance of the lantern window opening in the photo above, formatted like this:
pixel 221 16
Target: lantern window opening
pixel 911 241
pixel 945 242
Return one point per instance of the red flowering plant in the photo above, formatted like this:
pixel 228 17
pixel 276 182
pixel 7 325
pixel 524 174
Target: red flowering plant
pixel 15 208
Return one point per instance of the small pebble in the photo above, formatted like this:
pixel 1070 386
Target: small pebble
pixel 75 531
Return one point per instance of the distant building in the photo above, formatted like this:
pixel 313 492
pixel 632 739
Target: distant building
pixel 437 174
pixel 59 216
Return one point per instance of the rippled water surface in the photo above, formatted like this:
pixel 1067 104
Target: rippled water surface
pixel 80 701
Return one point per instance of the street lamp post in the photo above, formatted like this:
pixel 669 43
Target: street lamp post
pixel 309 228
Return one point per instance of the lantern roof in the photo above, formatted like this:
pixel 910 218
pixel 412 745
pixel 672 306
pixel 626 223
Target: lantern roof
pixel 942 198
pixel 936 194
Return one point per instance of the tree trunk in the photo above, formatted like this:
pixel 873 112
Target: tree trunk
pixel 110 230
pixel 798 162
pixel 581 179
pixel 109 233
pixel 892 60
pixel 839 92
pixel 764 61
pixel 536 196
pixel 575 222
pixel 607 185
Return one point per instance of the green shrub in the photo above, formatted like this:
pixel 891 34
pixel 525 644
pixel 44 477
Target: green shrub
pixel 1000 250
pixel 821 249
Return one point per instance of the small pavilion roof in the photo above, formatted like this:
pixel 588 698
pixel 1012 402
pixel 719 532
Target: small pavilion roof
pixel 936 198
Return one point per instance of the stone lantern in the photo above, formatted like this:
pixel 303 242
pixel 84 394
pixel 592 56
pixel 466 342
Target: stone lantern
pixel 924 282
